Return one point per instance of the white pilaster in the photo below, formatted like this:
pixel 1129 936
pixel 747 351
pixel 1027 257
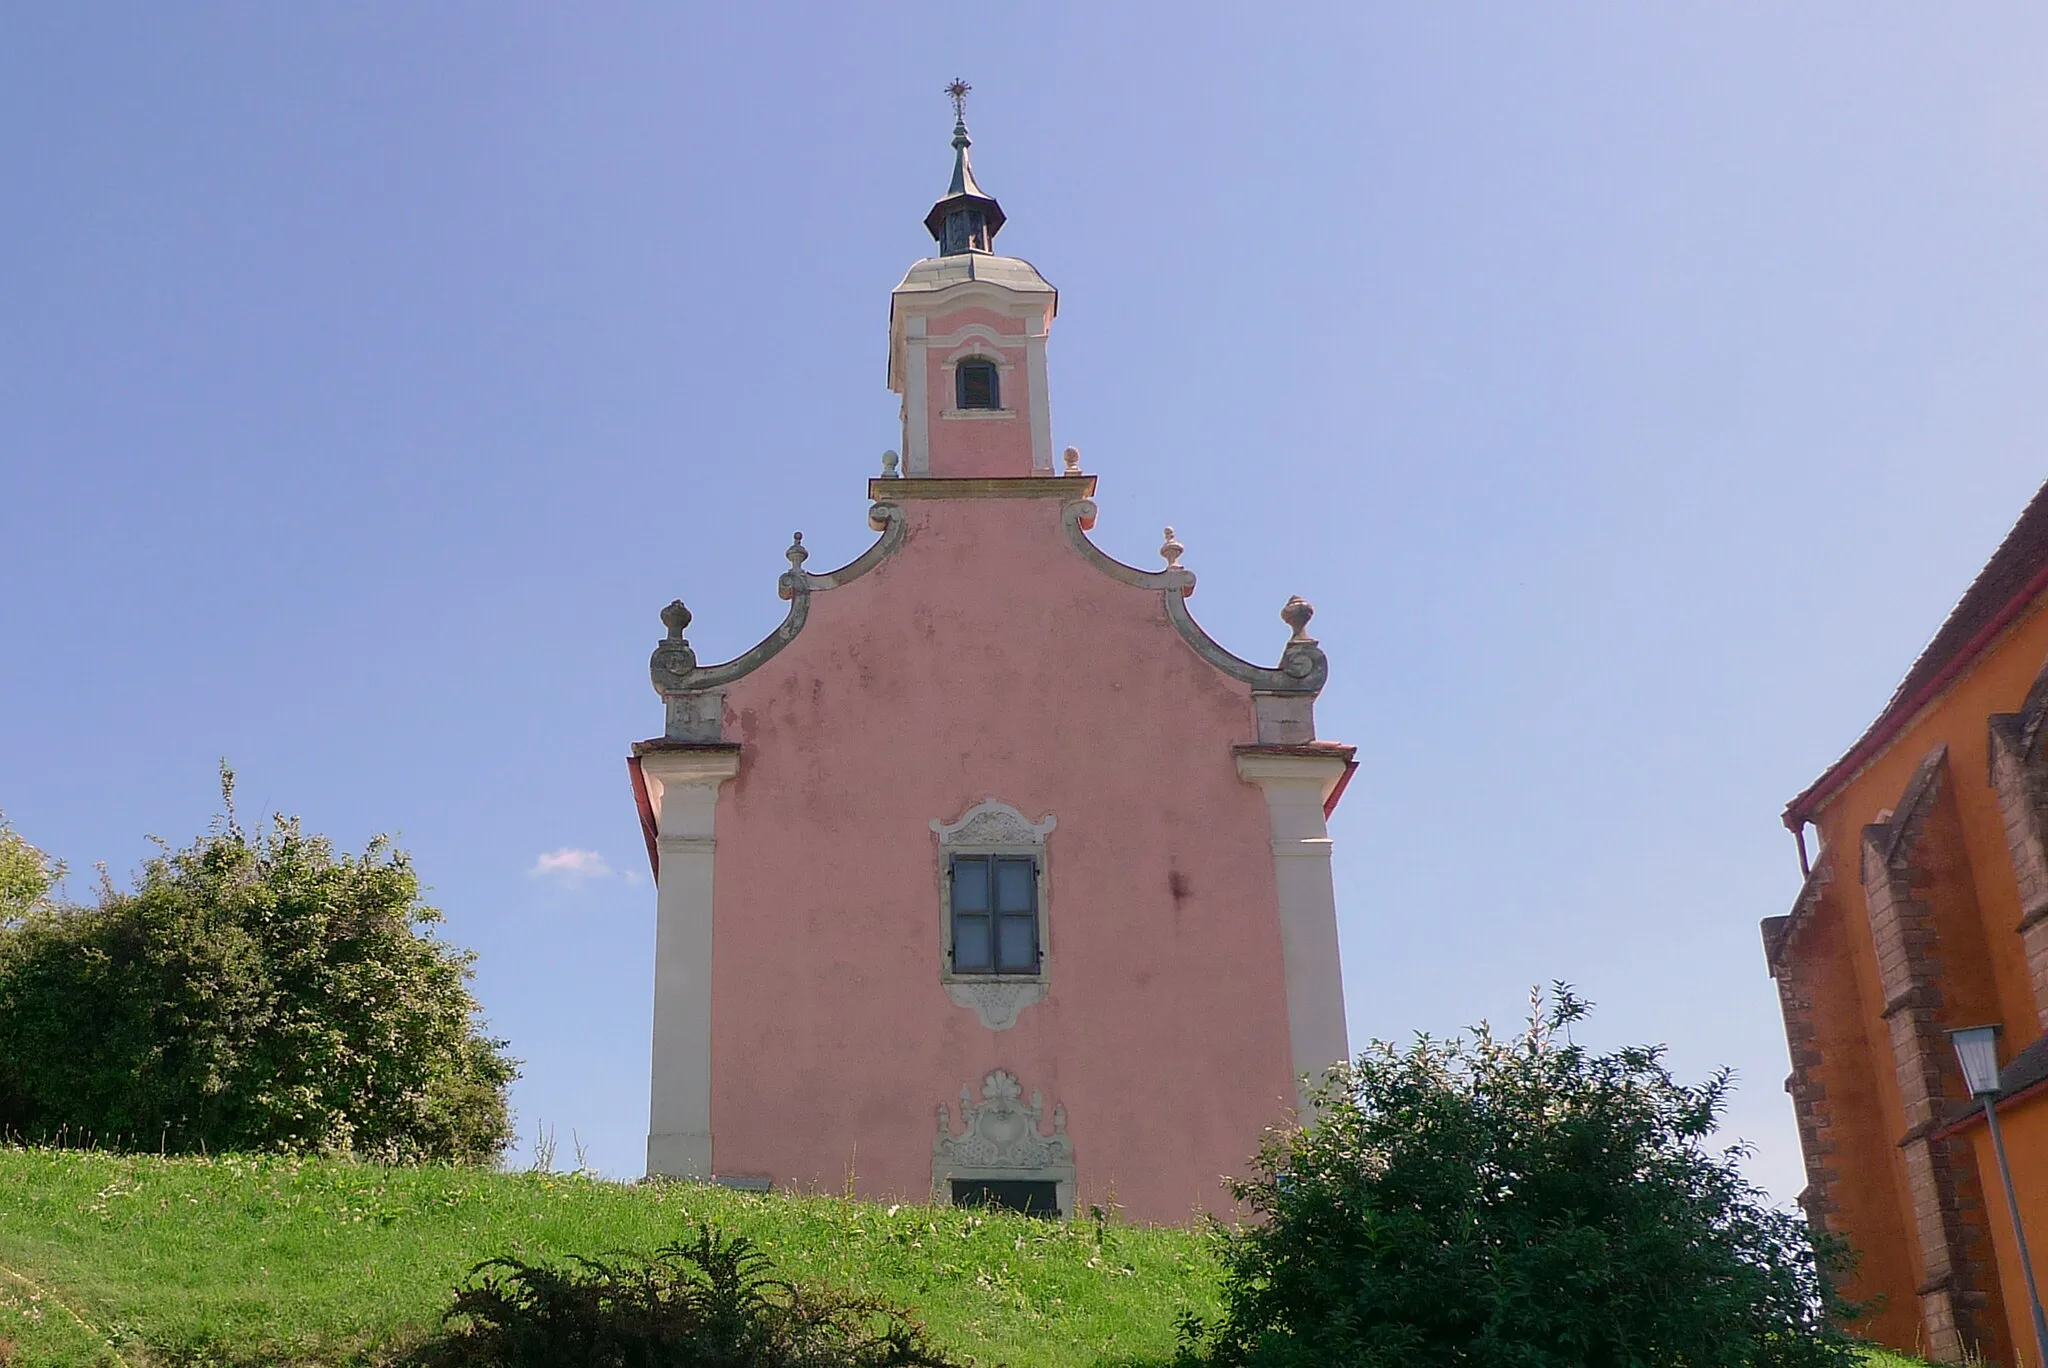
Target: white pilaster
pixel 917 413
pixel 682 789
pixel 1041 397
pixel 1296 787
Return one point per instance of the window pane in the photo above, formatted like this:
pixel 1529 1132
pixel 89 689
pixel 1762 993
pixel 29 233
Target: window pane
pixel 970 884
pixel 977 385
pixel 1013 886
pixel 1020 945
pixel 970 945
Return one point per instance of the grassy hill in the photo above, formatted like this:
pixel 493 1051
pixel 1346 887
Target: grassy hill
pixel 245 1261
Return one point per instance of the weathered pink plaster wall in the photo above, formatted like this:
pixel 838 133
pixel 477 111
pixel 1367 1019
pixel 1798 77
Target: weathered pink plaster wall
pixel 983 445
pixel 986 659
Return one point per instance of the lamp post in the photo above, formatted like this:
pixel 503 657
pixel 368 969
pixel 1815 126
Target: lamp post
pixel 1977 1052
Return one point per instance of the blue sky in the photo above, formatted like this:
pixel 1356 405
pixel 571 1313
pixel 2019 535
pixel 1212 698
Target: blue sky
pixel 1631 388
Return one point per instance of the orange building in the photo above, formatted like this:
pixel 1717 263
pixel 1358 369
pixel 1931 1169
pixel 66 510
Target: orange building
pixel 1924 909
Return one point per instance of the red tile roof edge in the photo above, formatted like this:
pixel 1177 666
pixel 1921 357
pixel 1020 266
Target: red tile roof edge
pixel 646 806
pixel 1985 610
pixel 1337 792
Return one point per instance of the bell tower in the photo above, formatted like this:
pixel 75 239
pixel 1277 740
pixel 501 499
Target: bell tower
pixel 967 332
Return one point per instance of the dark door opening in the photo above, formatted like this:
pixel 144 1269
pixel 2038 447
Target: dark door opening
pixel 1009 1194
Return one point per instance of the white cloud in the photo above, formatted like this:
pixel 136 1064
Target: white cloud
pixel 570 866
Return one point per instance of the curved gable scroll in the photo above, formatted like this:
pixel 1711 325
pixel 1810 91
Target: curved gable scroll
pixel 694 693
pixel 1303 667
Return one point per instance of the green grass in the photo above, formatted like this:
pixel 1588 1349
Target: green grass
pixel 247 1260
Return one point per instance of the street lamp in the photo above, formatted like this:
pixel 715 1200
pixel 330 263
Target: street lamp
pixel 1977 1052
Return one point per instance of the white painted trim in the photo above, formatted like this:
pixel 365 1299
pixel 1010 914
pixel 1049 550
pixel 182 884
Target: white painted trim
pixel 911 340
pixel 911 312
pixel 1007 300
pixel 1041 401
pixel 969 331
pixel 682 790
pixel 917 435
pixel 977 413
pixel 1295 788
pixel 977 342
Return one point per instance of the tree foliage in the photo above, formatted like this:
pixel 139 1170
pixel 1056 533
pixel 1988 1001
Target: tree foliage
pixel 27 875
pixel 1520 1203
pixel 252 991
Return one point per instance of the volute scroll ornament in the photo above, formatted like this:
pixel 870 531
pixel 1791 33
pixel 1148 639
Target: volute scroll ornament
pixel 673 659
pixel 1303 668
pixel 1302 660
pixel 685 684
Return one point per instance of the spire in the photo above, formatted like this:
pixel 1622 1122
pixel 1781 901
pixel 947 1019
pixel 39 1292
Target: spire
pixel 966 220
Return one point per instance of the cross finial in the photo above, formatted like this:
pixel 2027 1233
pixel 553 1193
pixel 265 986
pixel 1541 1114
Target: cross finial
pixel 958 89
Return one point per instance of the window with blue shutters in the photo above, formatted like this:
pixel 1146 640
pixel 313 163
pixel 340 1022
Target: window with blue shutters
pixel 994 908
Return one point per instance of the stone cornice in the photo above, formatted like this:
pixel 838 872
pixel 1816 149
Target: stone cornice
pixel 1067 488
pixel 1314 750
pixel 662 745
pixel 1327 764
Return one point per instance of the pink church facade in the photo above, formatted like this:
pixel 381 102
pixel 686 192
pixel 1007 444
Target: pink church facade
pixel 987 875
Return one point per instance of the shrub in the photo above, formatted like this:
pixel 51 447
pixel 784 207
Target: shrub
pixel 1519 1204
pixel 253 991
pixel 26 876
pixel 708 1303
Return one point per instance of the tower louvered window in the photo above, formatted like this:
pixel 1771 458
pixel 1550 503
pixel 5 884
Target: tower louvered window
pixel 977 386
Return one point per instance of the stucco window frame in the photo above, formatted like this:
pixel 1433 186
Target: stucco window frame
pixel 976 349
pixel 993 827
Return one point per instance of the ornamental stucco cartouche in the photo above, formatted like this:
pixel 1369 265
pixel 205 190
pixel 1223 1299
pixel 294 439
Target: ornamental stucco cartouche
pixel 983 683
pixel 1000 1139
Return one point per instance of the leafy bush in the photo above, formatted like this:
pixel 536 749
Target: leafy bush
pixel 253 991
pixel 26 875
pixel 706 1304
pixel 1518 1204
